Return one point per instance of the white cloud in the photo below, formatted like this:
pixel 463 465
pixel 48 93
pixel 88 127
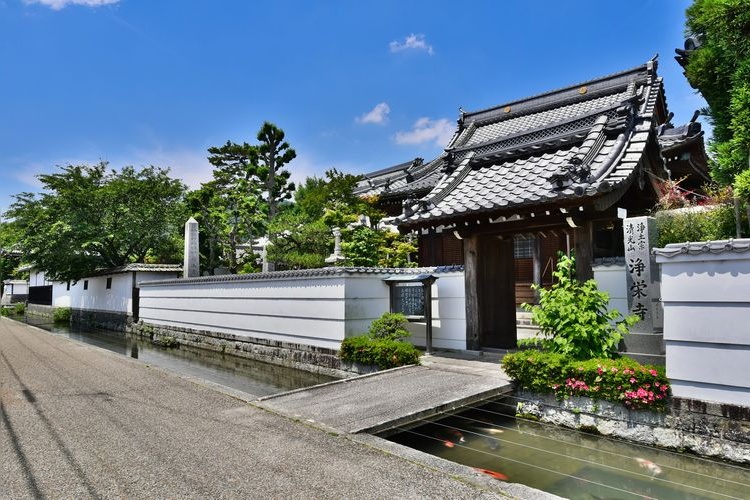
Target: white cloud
pixel 61 4
pixel 425 130
pixel 190 166
pixel 378 115
pixel 412 42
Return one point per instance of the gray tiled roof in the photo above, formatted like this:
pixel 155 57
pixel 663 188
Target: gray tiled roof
pixel 590 137
pixel 309 273
pixel 405 178
pixel 141 267
pixel 704 247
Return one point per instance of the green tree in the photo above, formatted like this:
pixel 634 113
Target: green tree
pixel 90 217
pixel 720 69
pixel 232 204
pixel 273 154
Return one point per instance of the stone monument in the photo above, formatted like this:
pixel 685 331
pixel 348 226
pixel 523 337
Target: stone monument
pixel 337 256
pixel 191 267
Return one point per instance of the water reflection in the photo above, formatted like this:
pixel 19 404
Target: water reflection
pixel 570 463
pixel 254 377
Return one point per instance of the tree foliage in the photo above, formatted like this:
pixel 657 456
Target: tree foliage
pixel 240 203
pixel 720 69
pixel 302 232
pixel 91 217
pixel 273 154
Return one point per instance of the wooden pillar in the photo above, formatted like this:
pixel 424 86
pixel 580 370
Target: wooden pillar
pixel 584 246
pixel 471 283
pixel 537 263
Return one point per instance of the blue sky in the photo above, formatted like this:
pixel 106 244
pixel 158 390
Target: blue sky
pixel 355 85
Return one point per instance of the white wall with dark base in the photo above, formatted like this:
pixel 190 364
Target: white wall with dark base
pixel 317 307
pixel 706 297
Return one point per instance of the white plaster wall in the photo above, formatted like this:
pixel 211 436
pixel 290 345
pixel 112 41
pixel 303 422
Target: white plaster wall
pixel 318 311
pixel 306 311
pixel 706 301
pixel 118 298
pixel 613 280
pixel 448 314
pixel 97 297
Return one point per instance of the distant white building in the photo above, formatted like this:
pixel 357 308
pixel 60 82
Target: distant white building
pixel 108 299
pixel 14 291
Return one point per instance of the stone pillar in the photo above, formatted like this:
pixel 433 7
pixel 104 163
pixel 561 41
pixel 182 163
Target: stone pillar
pixel 191 267
pixel 642 272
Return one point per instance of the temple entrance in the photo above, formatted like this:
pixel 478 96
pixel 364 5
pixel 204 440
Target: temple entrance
pixel 490 287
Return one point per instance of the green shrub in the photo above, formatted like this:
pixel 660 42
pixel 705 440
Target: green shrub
pixel 389 326
pixel 381 352
pixel 19 308
pixel 573 316
pixel 536 371
pixel 621 380
pixel 530 343
pixel 4 311
pixel 61 315
pixel 698 223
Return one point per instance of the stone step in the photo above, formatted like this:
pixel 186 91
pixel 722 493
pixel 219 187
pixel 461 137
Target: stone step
pixel 647 359
pixel 645 343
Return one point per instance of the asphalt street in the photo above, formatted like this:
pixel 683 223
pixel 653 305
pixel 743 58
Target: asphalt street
pixel 80 422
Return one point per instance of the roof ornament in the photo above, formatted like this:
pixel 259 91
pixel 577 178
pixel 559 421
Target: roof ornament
pixel 408 205
pixel 692 43
pixel 448 166
pixel 624 116
pixel 666 125
pixel 574 172
pixel 461 116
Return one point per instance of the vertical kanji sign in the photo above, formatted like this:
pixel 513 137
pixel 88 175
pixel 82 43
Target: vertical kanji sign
pixel 642 273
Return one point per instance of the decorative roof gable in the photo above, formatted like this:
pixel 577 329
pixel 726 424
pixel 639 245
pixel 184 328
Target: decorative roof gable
pixel 568 147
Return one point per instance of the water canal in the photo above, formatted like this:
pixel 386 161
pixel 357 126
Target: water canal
pixel 253 377
pixel 570 463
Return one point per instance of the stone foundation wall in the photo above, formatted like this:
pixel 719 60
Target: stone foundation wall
pixel 40 310
pixel 87 318
pixel 706 429
pixel 299 356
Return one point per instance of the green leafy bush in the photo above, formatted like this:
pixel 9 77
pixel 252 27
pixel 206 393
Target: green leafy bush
pixel 621 380
pixel 62 315
pixel 19 308
pixel 697 223
pixel 382 346
pixel 389 326
pixel 536 371
pixel 381 352
pixel 4 311
pixel 573 317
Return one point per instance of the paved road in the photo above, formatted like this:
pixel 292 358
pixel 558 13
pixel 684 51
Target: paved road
pixel 77 421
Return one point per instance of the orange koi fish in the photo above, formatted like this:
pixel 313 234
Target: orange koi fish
pixel 493 474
